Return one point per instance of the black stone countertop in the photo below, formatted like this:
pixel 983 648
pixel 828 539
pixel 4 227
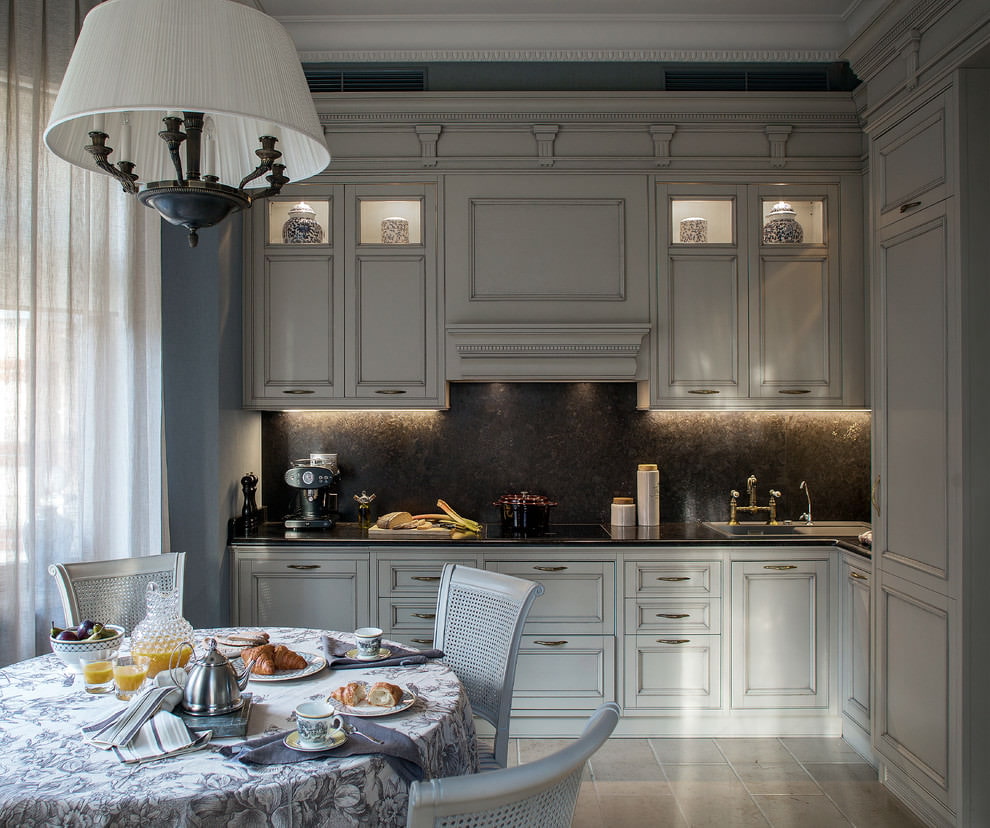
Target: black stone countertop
pixel 685 534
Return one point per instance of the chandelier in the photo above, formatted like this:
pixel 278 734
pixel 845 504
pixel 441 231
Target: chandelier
pixel 196 107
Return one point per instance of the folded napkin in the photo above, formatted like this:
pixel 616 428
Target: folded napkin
pixel 398 749
pixel 146 729
pixel 336 651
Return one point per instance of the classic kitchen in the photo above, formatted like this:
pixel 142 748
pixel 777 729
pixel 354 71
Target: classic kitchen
pixel 775 297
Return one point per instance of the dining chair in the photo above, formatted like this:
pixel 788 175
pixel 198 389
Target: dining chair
pixel 480 617
pixel 115 591
pixel 541 793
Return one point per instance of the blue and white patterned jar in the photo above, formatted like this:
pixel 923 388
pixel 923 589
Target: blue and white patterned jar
pixel 694 230
pixel 395 230
pixel 782 227
pixel 301 227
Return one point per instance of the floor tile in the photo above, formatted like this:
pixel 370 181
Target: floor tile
pixel 711 796
pixel 775 778
pixel 532 749
pixel 804 811
pixel 754 750
pixel 821 749
pixel 687 751
pixel 626 759
pixel 861 798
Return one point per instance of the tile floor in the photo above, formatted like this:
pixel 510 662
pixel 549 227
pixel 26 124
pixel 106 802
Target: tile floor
pixel 720 783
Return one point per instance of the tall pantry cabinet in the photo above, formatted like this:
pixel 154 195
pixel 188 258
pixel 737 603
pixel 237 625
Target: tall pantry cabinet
pixel 929 173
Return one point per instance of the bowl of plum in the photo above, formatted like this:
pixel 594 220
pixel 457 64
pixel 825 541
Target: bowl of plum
pixel 88 638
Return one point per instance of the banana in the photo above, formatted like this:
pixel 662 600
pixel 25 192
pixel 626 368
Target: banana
pixel 464 523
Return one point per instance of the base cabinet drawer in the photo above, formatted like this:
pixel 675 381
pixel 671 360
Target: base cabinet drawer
pixel 696 616
pixel 564 673
pixel 400 617
pixel 680 578
pixel 673 671
pixel 416 576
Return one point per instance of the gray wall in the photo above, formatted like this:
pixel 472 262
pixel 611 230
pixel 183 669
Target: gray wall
pixel 209 441
pixel 578 443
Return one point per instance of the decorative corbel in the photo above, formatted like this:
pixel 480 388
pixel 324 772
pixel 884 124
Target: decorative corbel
pixel 545 135
pixel 428 135
pixel 910 49
pixel 662 135
pixel 777 135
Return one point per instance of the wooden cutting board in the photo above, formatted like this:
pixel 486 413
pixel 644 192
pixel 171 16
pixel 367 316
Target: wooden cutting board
pixel 439 532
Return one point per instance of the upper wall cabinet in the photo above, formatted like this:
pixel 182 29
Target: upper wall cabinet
pixel 342 299
pixel 758 303
pixel 547 276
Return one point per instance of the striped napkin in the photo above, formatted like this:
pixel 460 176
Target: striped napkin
pixel 146 729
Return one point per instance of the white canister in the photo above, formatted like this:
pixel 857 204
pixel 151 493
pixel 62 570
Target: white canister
pixel 648 494
pixel 623 511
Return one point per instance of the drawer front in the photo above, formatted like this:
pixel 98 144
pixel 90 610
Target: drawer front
pixel 564 673
pixel 401 616
pixel 681 578
pixel 578 597
pixel 413 577
pixel 697 616
pixel 673 671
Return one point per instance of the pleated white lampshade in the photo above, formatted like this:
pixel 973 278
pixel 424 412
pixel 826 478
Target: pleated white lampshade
pixel 135 60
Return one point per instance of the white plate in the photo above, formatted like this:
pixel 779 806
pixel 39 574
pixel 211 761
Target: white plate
pixel 383 652
pixel 314 663
pixel 337 738
pixel 368 710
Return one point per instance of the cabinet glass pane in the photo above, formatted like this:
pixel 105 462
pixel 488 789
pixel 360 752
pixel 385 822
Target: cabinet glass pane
pixel 702 221
pixel 299 222
pixel 390 222
pixel 793 221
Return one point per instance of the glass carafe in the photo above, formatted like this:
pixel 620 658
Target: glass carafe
pixel 163 633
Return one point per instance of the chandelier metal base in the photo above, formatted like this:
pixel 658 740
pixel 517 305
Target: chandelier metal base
pixel 193 204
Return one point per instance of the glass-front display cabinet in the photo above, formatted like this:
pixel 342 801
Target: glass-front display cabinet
pixel 390 222
pixel 299 221
pixel 702 220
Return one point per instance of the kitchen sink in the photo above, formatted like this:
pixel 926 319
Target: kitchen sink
pixel 820 529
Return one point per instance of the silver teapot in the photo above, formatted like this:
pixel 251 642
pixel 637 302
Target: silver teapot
pixel 213 687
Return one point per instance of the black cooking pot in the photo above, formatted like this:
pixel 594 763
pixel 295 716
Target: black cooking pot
pixel 525 513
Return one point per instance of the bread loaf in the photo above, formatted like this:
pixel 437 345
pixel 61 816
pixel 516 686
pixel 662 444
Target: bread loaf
pixel 393 520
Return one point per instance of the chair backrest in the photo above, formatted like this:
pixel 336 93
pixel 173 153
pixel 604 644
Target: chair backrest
pixel 115 591
pixel 538 794
pixel 480 617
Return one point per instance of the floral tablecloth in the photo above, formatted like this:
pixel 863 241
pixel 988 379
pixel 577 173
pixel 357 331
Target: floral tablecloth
pixel 49 776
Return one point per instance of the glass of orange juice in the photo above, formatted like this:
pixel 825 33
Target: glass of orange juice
pixel 97 672
pixel 129 674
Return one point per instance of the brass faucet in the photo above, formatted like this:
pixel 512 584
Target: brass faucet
pixel 771 507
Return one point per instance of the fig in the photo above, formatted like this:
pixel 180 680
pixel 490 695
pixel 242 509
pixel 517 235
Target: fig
pixel 67 635
pixel 85 629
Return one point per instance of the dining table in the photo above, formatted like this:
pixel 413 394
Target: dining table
pixel 51 775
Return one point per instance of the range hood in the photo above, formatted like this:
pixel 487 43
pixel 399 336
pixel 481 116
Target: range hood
pixel 546 353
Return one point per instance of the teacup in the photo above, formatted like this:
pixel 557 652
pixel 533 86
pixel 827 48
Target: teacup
pixel 369 642
pixel 315 723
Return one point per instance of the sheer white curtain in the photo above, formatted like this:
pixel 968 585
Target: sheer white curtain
pixel 80 344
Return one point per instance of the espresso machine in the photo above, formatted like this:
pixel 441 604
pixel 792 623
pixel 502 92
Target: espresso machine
pixel 314 505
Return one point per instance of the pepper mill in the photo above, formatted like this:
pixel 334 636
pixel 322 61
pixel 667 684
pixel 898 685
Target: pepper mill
pixel 249 511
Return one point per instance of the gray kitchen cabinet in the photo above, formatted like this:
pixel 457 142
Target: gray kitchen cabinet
pixel 567 656
pixel 350 319
pixel 780 639
pixel 751 312
pixel 673 634
pixel 855 660
pixel 314 589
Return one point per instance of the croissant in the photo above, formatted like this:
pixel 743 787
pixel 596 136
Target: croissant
pixel 271 657
pixel 349 694
pixel 383 694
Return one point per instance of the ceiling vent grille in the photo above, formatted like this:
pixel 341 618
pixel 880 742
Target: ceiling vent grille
pixel 381 79
pixel 746 80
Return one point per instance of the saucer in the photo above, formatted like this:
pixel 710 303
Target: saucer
pixel 337 738
pixel 383 652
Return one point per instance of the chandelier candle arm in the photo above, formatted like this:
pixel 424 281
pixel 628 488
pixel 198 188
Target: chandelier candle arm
pixel 197 82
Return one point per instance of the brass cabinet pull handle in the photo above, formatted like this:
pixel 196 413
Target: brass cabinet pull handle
pixel 794 391
pixel 673 641
pixel 875 495
pixel 298 391
pixel 550 643
pixel 303 566
pixel 421 640
pixel 426 578
pixel 390 391
pixel 673 615
pixel 549 568
pixel 427 615
pixel 909 206
pixel 858 577
pixel 673 578
pixel 703 391
pixel 780 566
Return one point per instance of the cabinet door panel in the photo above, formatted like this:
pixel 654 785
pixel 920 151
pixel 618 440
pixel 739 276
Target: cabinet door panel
pixel 856 645
pixel 575 672
pixel 673 671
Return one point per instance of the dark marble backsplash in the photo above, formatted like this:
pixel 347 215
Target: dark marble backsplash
pixel 578 443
